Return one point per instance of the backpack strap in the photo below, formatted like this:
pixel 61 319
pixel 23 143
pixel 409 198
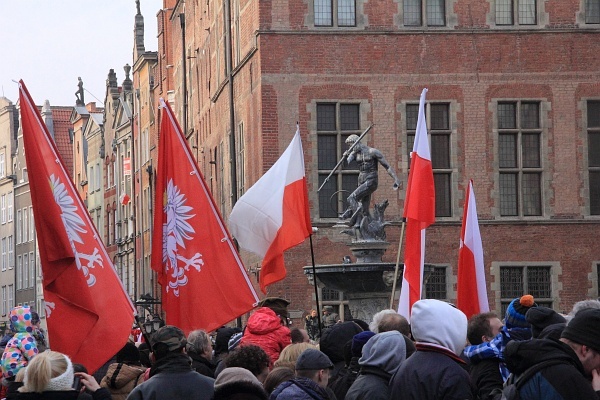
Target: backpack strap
pixel 531 371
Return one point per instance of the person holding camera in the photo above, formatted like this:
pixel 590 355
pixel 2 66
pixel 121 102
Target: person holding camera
pixel 50 375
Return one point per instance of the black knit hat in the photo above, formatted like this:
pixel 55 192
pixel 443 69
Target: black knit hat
pixel 541 317
pixel 584 328
pixel 129 353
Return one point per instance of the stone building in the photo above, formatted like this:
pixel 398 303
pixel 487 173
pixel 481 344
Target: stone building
pixel 513 103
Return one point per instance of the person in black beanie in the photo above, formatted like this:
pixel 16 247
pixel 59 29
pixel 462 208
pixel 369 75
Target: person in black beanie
pixel 541 317
pixel 573 363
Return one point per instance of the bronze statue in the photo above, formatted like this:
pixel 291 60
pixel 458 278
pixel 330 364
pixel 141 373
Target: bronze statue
pixel 365 225
pixel 79 93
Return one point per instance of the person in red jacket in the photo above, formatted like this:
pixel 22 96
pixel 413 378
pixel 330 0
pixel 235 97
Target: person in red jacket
pixel 267 330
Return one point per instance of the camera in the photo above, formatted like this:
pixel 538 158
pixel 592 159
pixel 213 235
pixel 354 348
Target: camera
pixel 77 383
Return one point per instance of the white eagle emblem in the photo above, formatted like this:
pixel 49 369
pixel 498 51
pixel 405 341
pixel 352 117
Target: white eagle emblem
pixel 74 225
pixel 175 233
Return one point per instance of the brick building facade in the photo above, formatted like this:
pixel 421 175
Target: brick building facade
pixel 513 103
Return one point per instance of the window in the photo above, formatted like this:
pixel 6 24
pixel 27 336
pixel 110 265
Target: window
pixel 11 260
pixel 9 207
pixel 335 12
pixel 91 182
pixel 19 272
pixel 25 225
pixel 2 164
pixel 335 298
pixel 31 270
pixel 517 280
pixel 25 271
pixel 31 224
pixel 4 304
pixel 222 176
pixel 520 166
pixel 335 122
pixel 3 207
pixel 592 11
pixel 516 12
pixel 424 12
pixel 99 221
pixel 108 175
pixel 24 177
pixel 593 129
pixel 435 287
pixel 19 226
pixel 11 293
pixel 4 257
pixel 437 116
pixel 98 184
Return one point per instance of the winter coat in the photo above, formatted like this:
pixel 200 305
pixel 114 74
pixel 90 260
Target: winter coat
pixel 264 330
pixel 556 382
pixel 382 355
pixel 120 379
pixel 172 377
pixel 202 365
pixel 22 347
pixel 311 324
pixel 486 378
pixel 100 394
pixel 431 373
pixel 300 389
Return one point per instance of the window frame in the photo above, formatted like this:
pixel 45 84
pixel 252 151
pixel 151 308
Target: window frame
pixel 515 14
pixel 335 11
pixel 340 136
pixel 423 15
pixel 592 170
pixel 519 169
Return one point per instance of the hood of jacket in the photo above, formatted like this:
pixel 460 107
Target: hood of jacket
pixel 521 355
pixel 20 319
pixel 263 321
pixel 385 351
pixel 119 375
pixel 437 322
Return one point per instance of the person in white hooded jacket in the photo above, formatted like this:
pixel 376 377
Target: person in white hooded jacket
pixel 435 371
pixel 381 357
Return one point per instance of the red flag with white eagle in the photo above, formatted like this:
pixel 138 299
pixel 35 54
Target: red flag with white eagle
pixel 273 215
pixel 204 283
pixel 471 289
pixel 419 211
pixel 89 315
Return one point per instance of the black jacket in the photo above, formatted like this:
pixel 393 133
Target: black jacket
pixel 431 373
pixel 202 365
pixel 562 381
pixel 371 384
pixel 486 377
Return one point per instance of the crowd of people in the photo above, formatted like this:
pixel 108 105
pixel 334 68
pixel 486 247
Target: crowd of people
pixel 531 352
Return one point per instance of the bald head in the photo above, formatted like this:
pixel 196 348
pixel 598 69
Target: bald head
pixel 394 322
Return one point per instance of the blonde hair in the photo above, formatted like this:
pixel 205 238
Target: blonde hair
pixel 42 368
pixel 289 355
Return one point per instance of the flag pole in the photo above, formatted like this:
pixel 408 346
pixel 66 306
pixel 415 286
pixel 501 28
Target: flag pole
pixel 314 269
pixel 397 263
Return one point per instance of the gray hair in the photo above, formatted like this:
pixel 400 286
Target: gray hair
pixel 374 325
pixel 582 305
pixel 198 341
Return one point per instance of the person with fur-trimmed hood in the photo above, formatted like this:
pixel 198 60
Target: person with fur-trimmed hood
pixel 22 347
pixel 435 370
pixel 124 375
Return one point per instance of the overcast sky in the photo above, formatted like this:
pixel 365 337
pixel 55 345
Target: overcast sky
pixel 49 44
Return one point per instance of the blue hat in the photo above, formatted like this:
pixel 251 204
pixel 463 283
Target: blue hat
pixel 516 311
pixel 359 340
pixel 312 359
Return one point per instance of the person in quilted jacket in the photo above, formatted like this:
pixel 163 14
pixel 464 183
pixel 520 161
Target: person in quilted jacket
pixel 124 375
pixel 266 330
pixel 22 347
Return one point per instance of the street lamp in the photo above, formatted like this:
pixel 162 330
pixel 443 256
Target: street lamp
pixel 154 324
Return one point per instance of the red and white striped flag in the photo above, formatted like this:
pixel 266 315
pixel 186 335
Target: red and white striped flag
pixel 472 292
pixel 273 215
pixel 419 211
